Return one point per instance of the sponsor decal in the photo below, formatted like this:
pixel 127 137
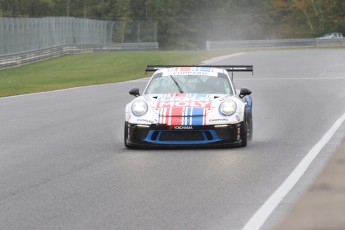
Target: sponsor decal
pixel 188 127
pixel 145 120
pixel 184 100
pixel 238 118
pixel 189 73
pixel 195 104
pixel 183 127
pixel 217 120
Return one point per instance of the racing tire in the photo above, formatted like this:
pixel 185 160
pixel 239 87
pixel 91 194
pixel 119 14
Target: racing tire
pixel 244 134
pixel 250 127
pixel 126 141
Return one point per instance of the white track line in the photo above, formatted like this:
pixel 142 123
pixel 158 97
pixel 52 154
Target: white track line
pixel 289 78
pixel 261 215
pixel 221 58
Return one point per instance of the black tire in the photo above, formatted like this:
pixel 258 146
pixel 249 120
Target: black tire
pixel 243 134
pixel 250 127
pixel 126 142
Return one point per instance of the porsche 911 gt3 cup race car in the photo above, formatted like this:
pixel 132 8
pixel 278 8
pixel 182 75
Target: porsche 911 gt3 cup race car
pixel 188 106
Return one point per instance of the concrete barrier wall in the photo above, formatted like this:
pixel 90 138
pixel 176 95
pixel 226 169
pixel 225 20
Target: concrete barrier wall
pixel 218 45
pixel 13 60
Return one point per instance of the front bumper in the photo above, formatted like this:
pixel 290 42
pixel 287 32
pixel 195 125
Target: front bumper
pixel 163 135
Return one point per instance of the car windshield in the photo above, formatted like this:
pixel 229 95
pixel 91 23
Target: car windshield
pixel 189 84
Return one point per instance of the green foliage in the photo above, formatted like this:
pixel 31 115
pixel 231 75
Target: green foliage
pixel 188 24
pixel 309 18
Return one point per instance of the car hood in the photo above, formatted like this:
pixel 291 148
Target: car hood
pixel 186 109
pixel 184 105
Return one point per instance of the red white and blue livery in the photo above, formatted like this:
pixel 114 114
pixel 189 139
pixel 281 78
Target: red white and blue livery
pixel 188 106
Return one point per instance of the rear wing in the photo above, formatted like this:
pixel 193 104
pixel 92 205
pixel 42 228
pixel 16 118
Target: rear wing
pixel 229 68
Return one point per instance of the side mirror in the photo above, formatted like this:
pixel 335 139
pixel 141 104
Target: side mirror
pixel 134 92
pixel 244 92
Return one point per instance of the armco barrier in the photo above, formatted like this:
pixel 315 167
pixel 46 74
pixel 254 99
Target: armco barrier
pixel 13 60
pixel 216 45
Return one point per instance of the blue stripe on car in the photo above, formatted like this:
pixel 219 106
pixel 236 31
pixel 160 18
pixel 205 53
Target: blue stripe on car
pixel 205 141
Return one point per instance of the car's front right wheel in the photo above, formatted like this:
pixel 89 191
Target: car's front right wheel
pixel 250 127
pixel 244 133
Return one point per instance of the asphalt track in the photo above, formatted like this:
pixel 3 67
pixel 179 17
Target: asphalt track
pixel 63 164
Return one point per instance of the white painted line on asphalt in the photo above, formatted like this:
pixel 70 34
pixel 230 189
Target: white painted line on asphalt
pixel 288 78
pixel 218 59
pixel 262 214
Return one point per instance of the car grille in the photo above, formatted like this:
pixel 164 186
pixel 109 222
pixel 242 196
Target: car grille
pixel 181 135
pixel 199 134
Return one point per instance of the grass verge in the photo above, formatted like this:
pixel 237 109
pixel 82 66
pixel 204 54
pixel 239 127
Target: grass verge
pixel 91 69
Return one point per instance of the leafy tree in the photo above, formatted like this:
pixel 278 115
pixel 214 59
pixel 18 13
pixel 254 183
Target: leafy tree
pixel 308 18
pixel 188 24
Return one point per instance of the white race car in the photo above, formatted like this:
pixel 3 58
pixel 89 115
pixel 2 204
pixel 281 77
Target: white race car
pixel 188 106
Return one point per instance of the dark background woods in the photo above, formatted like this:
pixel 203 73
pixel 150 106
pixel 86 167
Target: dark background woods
pixel 187 24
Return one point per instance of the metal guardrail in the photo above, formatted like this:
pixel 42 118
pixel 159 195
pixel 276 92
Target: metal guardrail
pixel 27 40
pixel 13 60
pixel 214 45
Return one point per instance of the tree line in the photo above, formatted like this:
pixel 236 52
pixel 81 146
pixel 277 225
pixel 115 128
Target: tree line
pixel 187 24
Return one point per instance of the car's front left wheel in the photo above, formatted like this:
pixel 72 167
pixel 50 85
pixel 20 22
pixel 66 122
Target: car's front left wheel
pixel 126 140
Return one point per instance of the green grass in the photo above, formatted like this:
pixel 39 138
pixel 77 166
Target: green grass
pixel 90 69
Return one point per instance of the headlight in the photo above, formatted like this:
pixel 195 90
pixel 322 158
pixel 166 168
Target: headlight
pixel 228 107
pixel 139 107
